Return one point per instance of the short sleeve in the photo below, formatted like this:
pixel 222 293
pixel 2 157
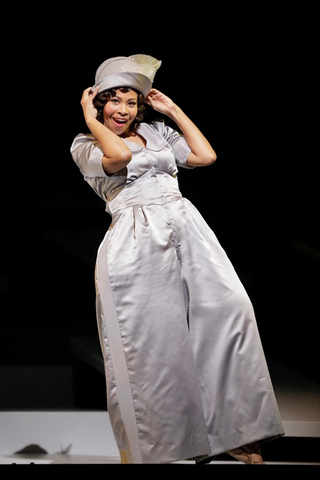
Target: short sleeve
pixel 176 141
pixel 86 153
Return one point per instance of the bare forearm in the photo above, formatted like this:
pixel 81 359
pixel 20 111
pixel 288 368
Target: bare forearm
pixel 202 152
pixel 116 154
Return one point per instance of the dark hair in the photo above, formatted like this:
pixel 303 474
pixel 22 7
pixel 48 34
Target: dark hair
pixel 102 98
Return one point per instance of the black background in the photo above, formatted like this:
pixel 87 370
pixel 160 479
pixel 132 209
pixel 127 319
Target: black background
pixel 248 77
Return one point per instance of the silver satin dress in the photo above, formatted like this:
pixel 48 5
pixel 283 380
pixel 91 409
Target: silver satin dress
pixel 185 369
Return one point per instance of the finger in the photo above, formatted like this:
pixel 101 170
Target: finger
pixel 89 92
pixel 148 101
pixel 94 92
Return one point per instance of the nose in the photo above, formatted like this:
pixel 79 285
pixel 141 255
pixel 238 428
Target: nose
pixel 123 109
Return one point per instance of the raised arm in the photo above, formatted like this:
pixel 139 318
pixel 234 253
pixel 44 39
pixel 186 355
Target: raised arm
pixel 116 154
pixel 202 153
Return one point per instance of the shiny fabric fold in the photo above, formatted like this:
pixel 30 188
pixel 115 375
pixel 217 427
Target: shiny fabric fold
pixel 185 369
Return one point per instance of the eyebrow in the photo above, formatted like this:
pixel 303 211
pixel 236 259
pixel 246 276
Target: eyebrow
pixel 129 99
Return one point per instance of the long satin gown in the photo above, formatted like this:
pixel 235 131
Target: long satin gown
pixel 185 369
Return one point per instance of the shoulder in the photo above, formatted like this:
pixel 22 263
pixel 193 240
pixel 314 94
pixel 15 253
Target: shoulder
pixel 153 135
pixel 82 139
pixel 151 128
pixel 157 130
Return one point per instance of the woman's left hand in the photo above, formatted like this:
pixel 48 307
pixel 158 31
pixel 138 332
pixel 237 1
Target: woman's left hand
pixel 159 102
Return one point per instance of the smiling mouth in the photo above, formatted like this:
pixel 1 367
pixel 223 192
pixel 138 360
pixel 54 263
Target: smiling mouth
pixel 120 121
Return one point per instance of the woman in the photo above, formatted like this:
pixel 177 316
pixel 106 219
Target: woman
pixel 185 370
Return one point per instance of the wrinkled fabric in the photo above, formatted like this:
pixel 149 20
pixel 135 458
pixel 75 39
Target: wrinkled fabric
pixel 185 369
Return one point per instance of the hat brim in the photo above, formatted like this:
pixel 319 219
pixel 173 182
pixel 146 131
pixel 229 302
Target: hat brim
pixel 125 79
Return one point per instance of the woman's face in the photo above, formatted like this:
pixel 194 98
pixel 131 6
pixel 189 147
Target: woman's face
pixel 120 111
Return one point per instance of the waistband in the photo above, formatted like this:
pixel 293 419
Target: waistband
pixel 154 187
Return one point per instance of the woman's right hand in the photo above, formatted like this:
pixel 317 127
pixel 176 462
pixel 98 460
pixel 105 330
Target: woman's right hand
pixel 88 108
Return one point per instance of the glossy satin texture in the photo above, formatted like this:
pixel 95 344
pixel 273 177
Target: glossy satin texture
pixel 185 370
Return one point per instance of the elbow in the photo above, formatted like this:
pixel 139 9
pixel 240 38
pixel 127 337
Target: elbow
pixel 203 160
pixel 115 164
pixel 209 159
pixel 125 156
pixel 213 158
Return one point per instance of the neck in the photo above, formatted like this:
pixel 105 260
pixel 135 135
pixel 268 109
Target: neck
pixel 129 133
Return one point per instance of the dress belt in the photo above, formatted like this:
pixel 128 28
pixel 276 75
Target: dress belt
pixel 154 187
